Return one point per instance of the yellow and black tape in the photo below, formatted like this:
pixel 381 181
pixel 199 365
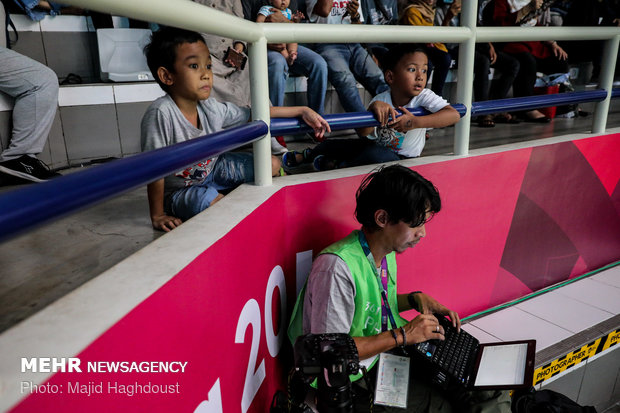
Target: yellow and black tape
pixel 613 338
pixel 575 357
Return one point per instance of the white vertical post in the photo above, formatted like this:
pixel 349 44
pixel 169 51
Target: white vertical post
pixel 260 109
pixel 606 79
pixel 469 17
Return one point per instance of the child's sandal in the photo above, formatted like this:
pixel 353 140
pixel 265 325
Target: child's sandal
pixel 289 159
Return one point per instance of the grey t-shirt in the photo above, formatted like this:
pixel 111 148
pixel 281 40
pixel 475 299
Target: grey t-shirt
pixel 329 303
pixel 163 125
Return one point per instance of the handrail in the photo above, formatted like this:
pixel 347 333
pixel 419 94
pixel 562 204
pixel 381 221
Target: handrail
pixel 533 102
pixel 27 207
pixel 340 121
pixel 352 120
pixel 193 16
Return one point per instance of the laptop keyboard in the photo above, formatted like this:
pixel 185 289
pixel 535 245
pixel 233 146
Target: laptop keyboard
pixel 453 354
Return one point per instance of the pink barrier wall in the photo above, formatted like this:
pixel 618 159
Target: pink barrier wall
pixel 512 223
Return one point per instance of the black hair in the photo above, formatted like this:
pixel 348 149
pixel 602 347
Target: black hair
pixel 403 193
pixel 162 49
pixel 396 52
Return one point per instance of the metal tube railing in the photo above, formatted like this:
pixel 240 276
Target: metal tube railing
pixel 466 77
pixel 353 120
pixel 606 77
pixel 27 207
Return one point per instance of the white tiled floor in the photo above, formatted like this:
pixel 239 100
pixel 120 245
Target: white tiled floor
pixel 556 315
pixel 610 276
pixel 515 324
pixel 596 292
pixel 481 335
pixel 564 311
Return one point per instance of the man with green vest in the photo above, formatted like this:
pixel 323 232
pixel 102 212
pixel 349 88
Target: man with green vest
pixel 343 293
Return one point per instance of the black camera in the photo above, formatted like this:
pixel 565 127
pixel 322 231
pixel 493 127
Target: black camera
pixel 329 358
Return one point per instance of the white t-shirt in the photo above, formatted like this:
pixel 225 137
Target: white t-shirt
pixel 336 16
pixel 411 143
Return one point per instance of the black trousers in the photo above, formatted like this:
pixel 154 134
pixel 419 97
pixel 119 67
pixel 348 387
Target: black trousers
pixel 529 65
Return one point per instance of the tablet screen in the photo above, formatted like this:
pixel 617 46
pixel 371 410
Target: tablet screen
pixel 502 365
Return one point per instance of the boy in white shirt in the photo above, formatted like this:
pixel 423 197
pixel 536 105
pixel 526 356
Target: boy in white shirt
pixel 399 136
pixel 405 71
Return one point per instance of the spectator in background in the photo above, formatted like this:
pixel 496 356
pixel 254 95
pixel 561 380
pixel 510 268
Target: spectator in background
pixel 346 62
pixel 379 12
pixel 547 57
pixel 287 50
pixel 422 13
pixel 581 13
pixel 485 57
pixel 233 81
pixel 307 63
pixel 35 90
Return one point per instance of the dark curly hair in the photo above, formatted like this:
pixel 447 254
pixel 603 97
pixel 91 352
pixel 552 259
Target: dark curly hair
pixel 162 49
pixel 389 59
pixel 403 193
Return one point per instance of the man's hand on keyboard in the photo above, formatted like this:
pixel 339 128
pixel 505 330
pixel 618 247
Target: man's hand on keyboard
pixel 428 305
pixel 422 328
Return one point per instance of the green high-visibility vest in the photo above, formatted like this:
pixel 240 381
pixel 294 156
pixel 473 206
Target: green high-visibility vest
pixel 367 316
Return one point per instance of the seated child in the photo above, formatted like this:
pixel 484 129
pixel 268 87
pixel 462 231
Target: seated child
pixel 290 50
pixel 180 62
pixel 399 136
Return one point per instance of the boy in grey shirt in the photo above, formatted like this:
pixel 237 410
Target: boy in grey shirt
pixel 180 62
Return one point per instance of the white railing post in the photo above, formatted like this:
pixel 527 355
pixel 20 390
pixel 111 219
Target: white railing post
pixel 260 109
pixel 606 80
pixel 465 76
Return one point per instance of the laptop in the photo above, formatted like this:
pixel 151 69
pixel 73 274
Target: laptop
pixel 461 361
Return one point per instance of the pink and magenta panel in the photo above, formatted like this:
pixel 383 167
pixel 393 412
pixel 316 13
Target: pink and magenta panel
pixel 512 223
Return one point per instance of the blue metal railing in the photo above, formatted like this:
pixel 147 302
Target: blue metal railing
pixel 534 102
pixel 282 126
pixel 340 121
pixel 27 207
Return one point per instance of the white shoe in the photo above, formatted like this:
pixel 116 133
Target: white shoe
pixel 276 148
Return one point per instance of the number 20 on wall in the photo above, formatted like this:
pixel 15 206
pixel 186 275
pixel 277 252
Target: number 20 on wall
pixel 250 315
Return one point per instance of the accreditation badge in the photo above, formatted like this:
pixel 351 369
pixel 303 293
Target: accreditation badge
pixel 392 380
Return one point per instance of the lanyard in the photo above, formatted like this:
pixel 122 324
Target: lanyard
pixel 386 312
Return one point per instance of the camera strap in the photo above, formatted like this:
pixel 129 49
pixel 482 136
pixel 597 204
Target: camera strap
pixel 382 281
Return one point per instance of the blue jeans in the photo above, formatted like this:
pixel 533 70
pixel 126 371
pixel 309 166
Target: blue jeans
pixel 231 170
pixel 348 62
pixel 308 64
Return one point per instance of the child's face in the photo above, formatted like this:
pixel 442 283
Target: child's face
pixel 280 4
pixel 410 74
pixel 192 78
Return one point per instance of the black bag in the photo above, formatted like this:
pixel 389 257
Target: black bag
pixel 546 401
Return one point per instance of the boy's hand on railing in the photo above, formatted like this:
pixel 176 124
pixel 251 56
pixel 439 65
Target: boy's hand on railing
pixel 383 112
pixel 165 222
pixel 316 122
pixel 405 122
